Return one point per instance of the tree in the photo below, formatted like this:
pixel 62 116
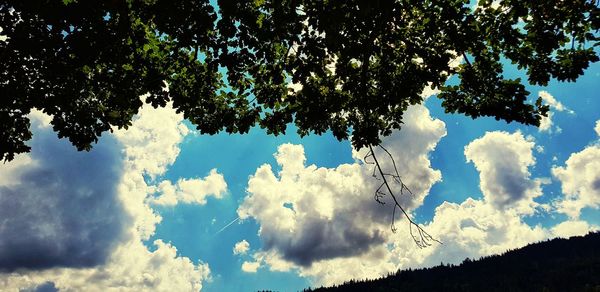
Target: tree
pixel 357 64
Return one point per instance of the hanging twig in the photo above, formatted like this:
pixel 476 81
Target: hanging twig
pixel 466 59
pixel 419 235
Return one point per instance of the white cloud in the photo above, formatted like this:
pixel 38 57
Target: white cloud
pixel 2 37
pixel 132 267
pixel 308 214
pixel 503 160
pixel 150 145
pixel 191 191
pixel 546 123
pixel 471 229
pixel 555 105
pixel 476 228
pixel 39 119
pixel 539 149
pixel 410 149
pixel 241 247
pixel 570 228
pixel 250 267
pixel 597 128
pixel 580 181
pixel 11 171
pixel 429 91
pixel 310 218
pixel 55 197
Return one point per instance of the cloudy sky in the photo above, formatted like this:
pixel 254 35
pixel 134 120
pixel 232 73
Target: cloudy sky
pixel 160 207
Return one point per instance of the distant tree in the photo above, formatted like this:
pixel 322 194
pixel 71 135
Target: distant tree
pixel 556 265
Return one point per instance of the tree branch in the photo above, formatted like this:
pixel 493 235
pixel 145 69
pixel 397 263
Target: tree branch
pixel 466 59
pixel 419 235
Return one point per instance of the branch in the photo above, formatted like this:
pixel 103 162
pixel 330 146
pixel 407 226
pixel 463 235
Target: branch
pixel 466 59
pixel 419 235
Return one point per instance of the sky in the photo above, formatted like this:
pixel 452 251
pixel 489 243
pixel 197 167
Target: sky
pixel 159 207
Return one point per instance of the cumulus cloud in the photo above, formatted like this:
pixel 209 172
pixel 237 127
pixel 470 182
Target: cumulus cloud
pixel 410 149
pixel 45 287
pixel 546 123
pixel 250 267
pixel 475 228
pixel 472 229
pixel 311 217
pixel 191 191
pixel 11 172
pixel 555 105
pixel 322 222
pixel 241 247
pixel 132 267
pixel 150 145
pixel 552 102
pixel 570 228
pixel 61 207
pixel 580 181
pixel 309 214
pixel 153 143
pixel 503 162
pixel 597 128
pixel 146 150
pixel 135 268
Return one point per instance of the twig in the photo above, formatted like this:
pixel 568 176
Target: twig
pixel 419 235
pixel 466 59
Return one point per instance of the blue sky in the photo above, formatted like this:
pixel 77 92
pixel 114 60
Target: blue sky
pixel 160 207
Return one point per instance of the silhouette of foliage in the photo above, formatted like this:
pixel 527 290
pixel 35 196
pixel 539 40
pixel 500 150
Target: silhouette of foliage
pixel 555 265
pixel 357 64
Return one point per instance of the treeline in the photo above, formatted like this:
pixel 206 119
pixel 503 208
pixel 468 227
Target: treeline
pixel 554 265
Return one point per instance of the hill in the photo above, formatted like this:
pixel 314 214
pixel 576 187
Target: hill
pixel 555 265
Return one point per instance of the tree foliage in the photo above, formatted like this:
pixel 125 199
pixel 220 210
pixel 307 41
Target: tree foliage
pixel 356 64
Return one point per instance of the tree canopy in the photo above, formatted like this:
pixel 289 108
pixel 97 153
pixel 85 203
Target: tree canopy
pixel 355 65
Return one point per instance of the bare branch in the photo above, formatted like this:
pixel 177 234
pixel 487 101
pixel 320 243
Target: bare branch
pixel 419 235
pixel 466 59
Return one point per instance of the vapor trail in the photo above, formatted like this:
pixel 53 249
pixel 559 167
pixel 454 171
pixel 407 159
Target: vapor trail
pixel 234 220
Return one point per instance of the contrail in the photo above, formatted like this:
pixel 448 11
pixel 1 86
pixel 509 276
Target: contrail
pixel 234 220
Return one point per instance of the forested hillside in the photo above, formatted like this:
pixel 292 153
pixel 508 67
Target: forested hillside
pixel 555 265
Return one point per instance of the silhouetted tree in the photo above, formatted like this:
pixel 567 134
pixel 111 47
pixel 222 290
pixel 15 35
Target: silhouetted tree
pixel 356 65
pixel 556 265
